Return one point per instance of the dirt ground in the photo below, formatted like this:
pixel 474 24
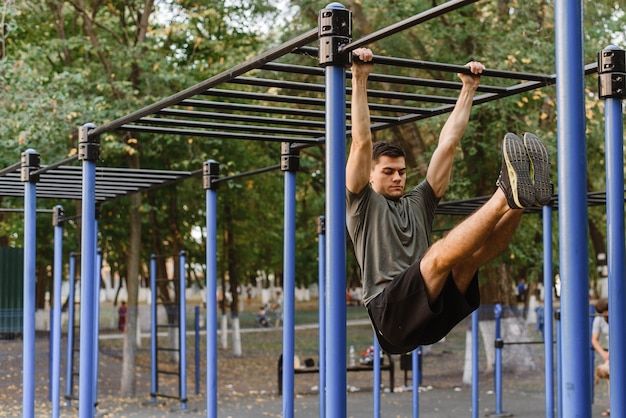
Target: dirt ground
pixel 249 383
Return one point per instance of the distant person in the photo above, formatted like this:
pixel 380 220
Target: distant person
pixel 278 308
pixel 121 317
pixel 600 326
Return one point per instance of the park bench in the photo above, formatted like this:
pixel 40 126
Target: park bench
pixel 386 365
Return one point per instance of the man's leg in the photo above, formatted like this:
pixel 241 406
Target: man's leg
pixel 465 240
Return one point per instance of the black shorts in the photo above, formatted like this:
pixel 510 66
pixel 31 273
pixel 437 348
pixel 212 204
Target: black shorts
pixel 404 320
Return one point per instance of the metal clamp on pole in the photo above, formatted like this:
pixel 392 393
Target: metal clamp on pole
pixel 321 225
pixel 612 73
pixel 335 31
pixel 58 216
pixel 30 161
pixel 289 158
pixel 88 147
pixel 210 173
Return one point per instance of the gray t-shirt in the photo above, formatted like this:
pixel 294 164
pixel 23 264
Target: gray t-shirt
pixel 389 235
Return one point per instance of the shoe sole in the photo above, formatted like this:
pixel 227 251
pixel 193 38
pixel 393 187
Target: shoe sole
pixel 518 169
pixel 540 168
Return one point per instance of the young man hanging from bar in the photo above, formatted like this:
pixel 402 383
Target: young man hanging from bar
pixel 415 292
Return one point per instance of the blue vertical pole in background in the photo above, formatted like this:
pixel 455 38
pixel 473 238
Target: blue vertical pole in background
pixel 88 153
pixel 69 364
pixel 559 365
pixel 153 330
pixel 548 348
pixel 57 271
pixel 321 246
pixel 29 163
pixel 210 173
pixel 612 86
pixel 497 381
pixel 335 29
pixel 376 389
pixel 475 387
pixel 289 162
pixel 96 310
pixel 415 378
pixel 182 330
pixel 572 181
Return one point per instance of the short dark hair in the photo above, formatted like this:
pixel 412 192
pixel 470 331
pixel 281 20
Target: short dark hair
pixel 388 149
pixel 602 305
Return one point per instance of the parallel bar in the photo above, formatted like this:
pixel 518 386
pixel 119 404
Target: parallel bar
pixel 408 23
pixel 237 70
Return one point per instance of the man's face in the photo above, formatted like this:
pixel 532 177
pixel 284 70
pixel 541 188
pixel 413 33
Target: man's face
pixel 388 177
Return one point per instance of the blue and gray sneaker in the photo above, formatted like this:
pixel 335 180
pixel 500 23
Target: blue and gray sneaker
pixel 515 177
pixel 539 168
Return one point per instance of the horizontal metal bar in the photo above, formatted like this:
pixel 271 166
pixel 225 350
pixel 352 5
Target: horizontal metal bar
pixel 247 174
pixel 408 23
pixel 241 118
pixel 227 75
pixel 228 126
pixel 211 134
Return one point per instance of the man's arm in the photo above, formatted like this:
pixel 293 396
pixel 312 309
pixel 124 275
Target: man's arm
pixel 359 162
pixel 440 167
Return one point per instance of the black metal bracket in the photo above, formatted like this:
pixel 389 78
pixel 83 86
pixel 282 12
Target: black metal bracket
pixel 335 31
pixel 30 161
pixel 289 158
pixel 88 146
pixel 498 343
pixel 612 73
pixel 58 216
pixel 210 173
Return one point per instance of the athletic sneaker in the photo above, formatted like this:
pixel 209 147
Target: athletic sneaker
pixel 539 168
pixel 515 180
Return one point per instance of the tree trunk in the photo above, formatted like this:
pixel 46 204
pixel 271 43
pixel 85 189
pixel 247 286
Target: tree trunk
pixel 129 380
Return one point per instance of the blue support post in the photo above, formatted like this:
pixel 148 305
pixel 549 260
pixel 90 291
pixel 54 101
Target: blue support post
pixel 29 163
pixel 335 30
pixel 612 86
pixel 289 165
pixel 211 172
pixel 88 153
pixel 547 311
pixel 96 320
pixel 154 386
pixel 415 380
pixel 498 367
pixel 475 387
pixel 197 346
pixel 572 181
pixel 376 389
pixel 182 330
pixel 321 247
pixel 55 384
pixel 559 365
pixel 69 375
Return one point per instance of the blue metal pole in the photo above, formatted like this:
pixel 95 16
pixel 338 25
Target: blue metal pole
pixel 289 280
pixel 559 365
pixel 547 311
pixel 338 20
pixel 87 280
pixel 210 173
pixel 56 311
pixel 69 375
pixel 96 308
pixel 153 331
pixel 182 330
pixel 197 346
pixel 572 180
pixel 415 380
pixel 475 387
pixel 30 161
pixel 376 378
pixel 498 368
pixel 321 247
pixel 614 145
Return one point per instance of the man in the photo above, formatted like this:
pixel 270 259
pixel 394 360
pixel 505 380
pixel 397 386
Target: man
pixel 415 292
